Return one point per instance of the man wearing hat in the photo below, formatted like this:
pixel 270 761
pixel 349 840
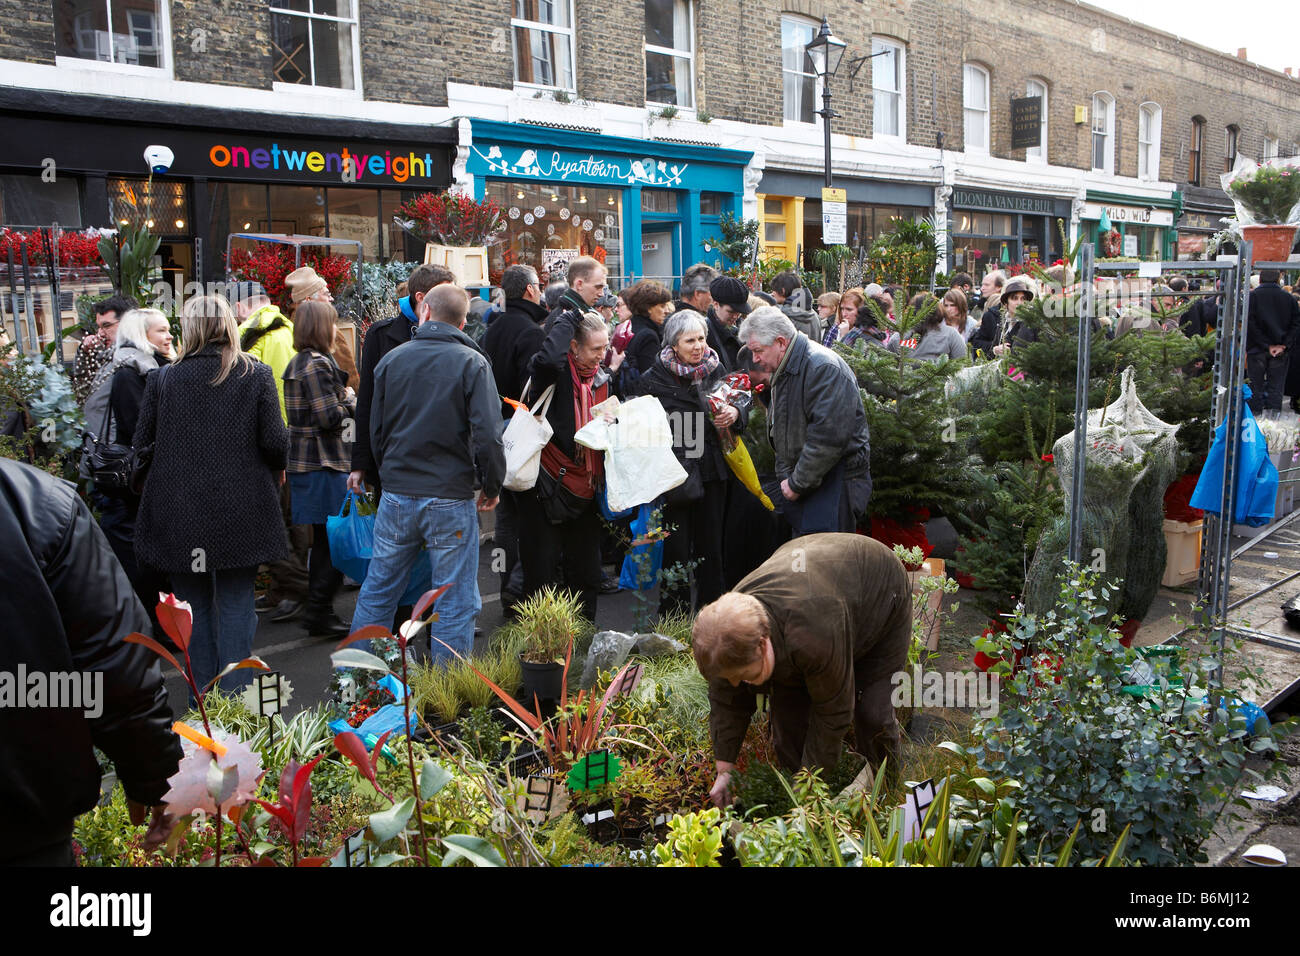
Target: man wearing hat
pixel 730 305
pixel 264 331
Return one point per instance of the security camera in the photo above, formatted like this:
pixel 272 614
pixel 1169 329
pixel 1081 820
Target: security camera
pixel 159 158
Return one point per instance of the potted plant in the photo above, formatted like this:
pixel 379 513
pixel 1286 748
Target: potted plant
pixel 456 230
pixel 1267 197
pixel 548 621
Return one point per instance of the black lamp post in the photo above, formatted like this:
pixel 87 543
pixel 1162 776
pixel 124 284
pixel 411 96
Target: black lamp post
pixel 825 51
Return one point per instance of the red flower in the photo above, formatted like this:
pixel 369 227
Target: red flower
pixel 269 263
pixel 1049 458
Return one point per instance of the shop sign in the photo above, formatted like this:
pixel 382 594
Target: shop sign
pixel 1005 202
pixel 835 217
pixel 1131 245
pixel 1026 122
pixel 1200 220
pixel 556 261
pixel 1144 215
pixel 1191 245
pixel 562 166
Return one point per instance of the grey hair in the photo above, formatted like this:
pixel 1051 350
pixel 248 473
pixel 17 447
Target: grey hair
pixel 679 323
pixel 767 325
pixel 589 325
pixel 697 279
pixel 998 276
pixel 133 329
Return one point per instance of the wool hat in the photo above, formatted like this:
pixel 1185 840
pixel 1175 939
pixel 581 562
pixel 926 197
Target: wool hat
pixel 730 291
pixel 304 283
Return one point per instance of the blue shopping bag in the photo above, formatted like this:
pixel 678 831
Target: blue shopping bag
pixel 1256 474
pixel 386 719
pixel 352 546
pixel 641 566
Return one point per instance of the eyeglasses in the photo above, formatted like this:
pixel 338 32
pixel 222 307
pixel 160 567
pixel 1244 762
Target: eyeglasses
pixel 105 326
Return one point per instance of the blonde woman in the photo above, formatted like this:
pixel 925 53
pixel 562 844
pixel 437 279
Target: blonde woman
pixel 143 344
pixel 209 510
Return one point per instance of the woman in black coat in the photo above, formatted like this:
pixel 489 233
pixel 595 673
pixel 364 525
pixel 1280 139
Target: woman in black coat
pixel 650 302
pixel 210 508
pixel 683 374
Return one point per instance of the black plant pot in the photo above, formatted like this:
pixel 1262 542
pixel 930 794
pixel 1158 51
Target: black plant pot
pixel 542 680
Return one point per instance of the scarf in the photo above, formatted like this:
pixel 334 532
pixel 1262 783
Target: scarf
pixel 692 373
pixel 582 402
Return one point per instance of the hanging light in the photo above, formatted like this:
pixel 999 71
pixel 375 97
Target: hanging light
pixel 248 225
pixel 180 223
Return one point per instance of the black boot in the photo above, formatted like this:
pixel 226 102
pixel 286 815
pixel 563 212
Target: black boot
pixel 323 622
pixel 323 581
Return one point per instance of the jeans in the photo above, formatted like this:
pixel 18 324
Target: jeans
pixel 448 527
pixel 224 622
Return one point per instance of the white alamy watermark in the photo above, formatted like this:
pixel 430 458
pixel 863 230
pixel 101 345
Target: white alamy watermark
pixel 71 690
pixel 967 690
pixel 78 909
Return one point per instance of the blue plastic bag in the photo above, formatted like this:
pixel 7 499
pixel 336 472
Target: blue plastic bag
pixel 352 546
pixel 639 572
pixel 385 719
pixel 1256 474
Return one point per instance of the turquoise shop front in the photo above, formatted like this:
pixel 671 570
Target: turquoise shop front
pixel 647 208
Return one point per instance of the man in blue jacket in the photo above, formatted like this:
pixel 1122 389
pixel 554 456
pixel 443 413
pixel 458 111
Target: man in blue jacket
pixel 435 433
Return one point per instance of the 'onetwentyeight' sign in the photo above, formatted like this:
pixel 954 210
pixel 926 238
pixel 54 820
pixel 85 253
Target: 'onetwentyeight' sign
pixel 355 165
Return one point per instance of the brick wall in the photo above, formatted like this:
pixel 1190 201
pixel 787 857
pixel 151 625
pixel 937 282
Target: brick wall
pixel 228 43
pixel 27 31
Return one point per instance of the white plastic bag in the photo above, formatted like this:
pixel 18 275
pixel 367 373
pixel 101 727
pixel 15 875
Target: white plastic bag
pixel 639 461
pixel 524 439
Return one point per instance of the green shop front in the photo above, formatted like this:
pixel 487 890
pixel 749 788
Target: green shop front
pixel 995 230
pixel 1145 225
pixel 646 208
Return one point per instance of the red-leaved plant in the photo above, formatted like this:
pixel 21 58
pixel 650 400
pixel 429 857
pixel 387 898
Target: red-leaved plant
pixel 269 263
pixel 452 219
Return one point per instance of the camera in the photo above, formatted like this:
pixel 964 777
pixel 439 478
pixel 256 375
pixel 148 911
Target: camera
pixel 159 158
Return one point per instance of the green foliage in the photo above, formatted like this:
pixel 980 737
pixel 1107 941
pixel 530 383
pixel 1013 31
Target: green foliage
pixel 1269 193
pixel 738 241
pixel 128 259
pixel 1095 761
pixel 764 790
pixel 905 255
pixel 693 840
pixel 550 619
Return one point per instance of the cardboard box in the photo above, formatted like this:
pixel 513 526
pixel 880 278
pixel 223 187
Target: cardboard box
pixel 469 264
pixel 1183 557
pixel 929 613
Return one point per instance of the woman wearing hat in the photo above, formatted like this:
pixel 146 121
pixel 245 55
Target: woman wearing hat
pixel 1017 291
pixel 305 284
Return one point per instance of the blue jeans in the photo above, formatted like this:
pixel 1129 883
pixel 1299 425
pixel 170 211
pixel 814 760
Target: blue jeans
pixel 448 527
pixel 224 623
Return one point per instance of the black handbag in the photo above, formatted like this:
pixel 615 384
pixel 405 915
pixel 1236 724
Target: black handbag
pixel 689 491
pixel 118 470
pixel 559 503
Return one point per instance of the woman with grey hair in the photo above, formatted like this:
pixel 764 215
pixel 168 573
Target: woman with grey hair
pixel 681 377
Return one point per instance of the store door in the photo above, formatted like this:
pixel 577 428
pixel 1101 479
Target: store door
pixel 660 253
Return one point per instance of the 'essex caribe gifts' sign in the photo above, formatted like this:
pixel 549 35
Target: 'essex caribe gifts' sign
pixel 561 166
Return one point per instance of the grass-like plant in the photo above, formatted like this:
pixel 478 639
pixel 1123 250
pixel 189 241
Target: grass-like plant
pixel 551 620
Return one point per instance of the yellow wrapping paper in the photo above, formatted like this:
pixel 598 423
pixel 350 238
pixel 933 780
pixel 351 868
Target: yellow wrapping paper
pixel 742 466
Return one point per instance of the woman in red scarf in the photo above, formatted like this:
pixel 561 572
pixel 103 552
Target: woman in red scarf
pixel 559 519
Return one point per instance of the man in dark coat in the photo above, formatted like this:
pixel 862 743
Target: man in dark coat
pixel 381 339
pixel 820 628
pixel 510 344
pixel 67 604
pixel 730 305
pixel 989 332
pixel 1272 331
pixel 816 425
pixel 694 293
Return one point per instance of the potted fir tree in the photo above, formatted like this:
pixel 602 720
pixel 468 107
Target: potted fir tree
pixel 1267 197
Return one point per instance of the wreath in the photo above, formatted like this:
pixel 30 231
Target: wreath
pixel 1112 244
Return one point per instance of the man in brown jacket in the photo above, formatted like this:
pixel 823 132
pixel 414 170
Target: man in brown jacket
pixel 820 627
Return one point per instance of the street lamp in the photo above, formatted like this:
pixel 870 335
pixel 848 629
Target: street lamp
pixel 825 51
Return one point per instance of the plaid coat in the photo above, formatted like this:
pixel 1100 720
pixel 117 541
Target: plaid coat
pixel 322 418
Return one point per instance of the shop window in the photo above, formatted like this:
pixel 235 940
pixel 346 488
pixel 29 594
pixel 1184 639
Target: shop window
pixel 354 214
pixel 29 201
pixel 800 79
pixel 1149 141
pixel 888 84
pixel 160 205
pixel 774 231
pixel 1195 151
pixel 659 200
pixel 543 45
pixel 713 204
pixel 773 207
pixel 549 225
pixel 394 237
pixel 670 53
pixel 122 32
pixel 297 211
pixel 1231 135
pixel 1038 153
pixel 313 43
pixel 1103 132
pixel 975 107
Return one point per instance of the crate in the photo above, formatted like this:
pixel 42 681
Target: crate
pixel 1183 552
pixel 469 264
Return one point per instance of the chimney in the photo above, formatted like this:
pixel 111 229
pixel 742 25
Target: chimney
pixel 1241 53
pixel 1287 71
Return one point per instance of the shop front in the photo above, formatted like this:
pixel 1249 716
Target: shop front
pixel 1203 210
pixel 341 179
pixel 646 209
pixel 1145 226
pixel 996 230
pixel 790 211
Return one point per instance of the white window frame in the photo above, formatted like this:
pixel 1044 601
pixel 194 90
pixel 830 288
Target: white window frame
pixel 1231 146
pixel 688 53
pixel 1107 102
pixel 968 111
pixel 162 31
pixel 311 87
pixel 1149 148
pixel 568 32
pixel 814 25
pixel 1037 86
pixel 879 44
pixel 1272 148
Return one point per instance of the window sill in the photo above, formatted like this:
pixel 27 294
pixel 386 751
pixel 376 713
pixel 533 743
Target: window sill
pixel 102 66
pixel 530 90
pixel 321 91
